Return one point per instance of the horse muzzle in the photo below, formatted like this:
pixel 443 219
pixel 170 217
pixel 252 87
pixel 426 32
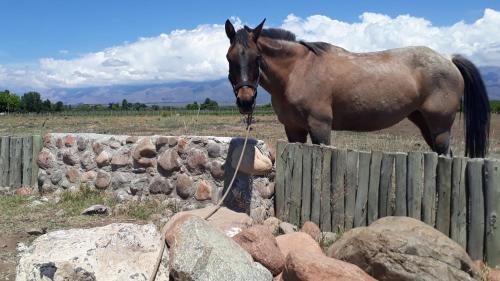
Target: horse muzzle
pixel 245 99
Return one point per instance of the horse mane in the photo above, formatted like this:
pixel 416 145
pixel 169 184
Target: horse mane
pixel 318 48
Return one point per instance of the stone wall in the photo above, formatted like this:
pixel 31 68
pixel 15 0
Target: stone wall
pixel 189 169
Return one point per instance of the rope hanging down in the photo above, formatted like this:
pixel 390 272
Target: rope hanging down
pixel 216 208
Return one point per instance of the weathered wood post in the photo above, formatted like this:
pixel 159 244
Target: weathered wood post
pixel 16 162
pixel 4 161
pixel 351 187
pixel 374 186
pixel 316 184
pixel 414 185
pixel 27 160
pixel 385 185
pixel 429 197
pixel 362 194
pixel 325 220
pixel 339 163
pixel 458 231
pixel 296 185
pixel 444 195
pixel 400 170
pixel 475 241
pixel 305 214
pixel 37 147
pixel 492 189
pixel 280 179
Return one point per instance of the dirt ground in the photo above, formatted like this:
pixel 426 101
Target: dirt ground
pixel 20 214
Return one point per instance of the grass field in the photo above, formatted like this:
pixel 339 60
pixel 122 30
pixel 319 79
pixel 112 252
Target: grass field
pixel 401 137
pixel 18 214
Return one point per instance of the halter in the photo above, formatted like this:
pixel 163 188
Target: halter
pixel 246 83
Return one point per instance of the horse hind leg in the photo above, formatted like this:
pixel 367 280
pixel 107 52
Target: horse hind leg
pixel 436 132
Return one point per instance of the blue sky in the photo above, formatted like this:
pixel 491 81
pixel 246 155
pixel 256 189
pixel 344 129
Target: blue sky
pixel 35 29
pixel 70 44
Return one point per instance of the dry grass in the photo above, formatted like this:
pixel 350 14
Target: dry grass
pixel 401 137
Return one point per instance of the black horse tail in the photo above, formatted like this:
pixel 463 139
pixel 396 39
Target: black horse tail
pixel 476 107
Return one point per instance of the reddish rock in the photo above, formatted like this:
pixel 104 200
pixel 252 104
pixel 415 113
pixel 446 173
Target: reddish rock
pixel 204 191
pixel 312 229
pixel 120 160
pixel 182 145
pixel 184 186
pixel 307 266
pixel 45 159
pixel 196 160
pixel 73 175
pixel 88 176
pixel 494 274
pixel 273 223
pixel 217 169
pixel 103 159
pixel 131 139
pixel 24 191
pixel 299 241
pixel 47 140
pixel 103 180
pixel 144 148
pixel 69 141
pixel 226 220
pixel 169 160
pixel 260 243
pixel 115 144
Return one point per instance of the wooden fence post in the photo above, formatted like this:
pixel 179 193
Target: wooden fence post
pixel 296 184
pixel 339 163
pixel 27 161
pixel 37 147
pixel 4 161
pixel 414 185
pixel 400 170
pixel 475 241
pixel 458 228
pixel 16 162
pixel 305 214
pixel 316 184
pixel 385 185
pixel 444 195
pixel 351 181
pixel 362 194
pixel 429 195
pixel 288 178
pixel 492 189
pixel 326 187
pixel 374 185
pixel 280 179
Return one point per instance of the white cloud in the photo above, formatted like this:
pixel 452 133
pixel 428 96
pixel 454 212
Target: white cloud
pixel 199 54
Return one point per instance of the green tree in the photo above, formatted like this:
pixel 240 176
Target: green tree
pixel 31 102
pixel 47 106
pixel 59 106
pixel 9 102
pixel 209 104
pixel 125 104
pixel 192 106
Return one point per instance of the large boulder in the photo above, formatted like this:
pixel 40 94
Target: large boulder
pixel 119 251
pixel 199 251
pixel 307 266
pixel 260 243
pixel 226 220
pixel 299 241
pixel 401 248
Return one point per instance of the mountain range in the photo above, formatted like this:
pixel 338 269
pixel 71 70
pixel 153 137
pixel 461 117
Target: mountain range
pixel 181 93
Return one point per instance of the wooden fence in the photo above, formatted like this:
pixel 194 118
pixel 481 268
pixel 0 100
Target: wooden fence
pixel 341 189
pixel 18 160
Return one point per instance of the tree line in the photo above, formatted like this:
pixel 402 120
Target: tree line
pixel 28 102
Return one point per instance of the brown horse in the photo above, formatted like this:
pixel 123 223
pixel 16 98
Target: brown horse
pixel 317 87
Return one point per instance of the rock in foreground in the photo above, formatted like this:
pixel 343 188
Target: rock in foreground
pixel 307 266
pixel 118 251
pixel 401 248
pixel 201 252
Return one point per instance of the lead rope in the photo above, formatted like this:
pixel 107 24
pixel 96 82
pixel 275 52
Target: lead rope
pixel 217 207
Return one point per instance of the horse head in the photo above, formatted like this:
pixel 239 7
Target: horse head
pixel 244 64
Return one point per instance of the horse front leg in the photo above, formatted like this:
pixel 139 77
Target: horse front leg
pixel 296 134
pixel 320 130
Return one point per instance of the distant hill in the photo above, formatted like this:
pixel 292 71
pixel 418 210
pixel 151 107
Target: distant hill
pixel 182 93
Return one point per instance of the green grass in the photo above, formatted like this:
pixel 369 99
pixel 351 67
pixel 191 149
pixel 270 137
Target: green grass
pixel 73 203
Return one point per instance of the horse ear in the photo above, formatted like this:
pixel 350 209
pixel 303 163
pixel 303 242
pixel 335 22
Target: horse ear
pixel 256 32
pixel 248 29
pixel 230 30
